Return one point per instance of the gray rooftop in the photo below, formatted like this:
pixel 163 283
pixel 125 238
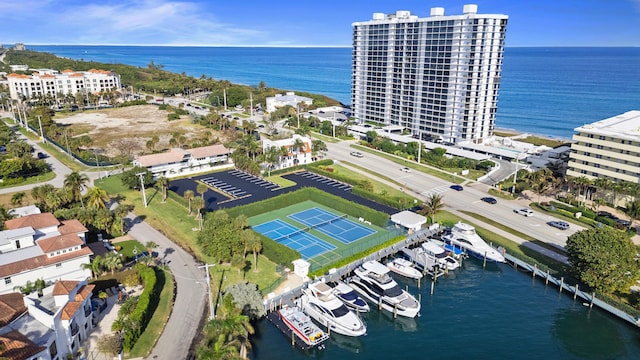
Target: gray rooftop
pixel 623 126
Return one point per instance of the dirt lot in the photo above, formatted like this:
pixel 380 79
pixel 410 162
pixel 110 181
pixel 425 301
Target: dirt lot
pixel 138 123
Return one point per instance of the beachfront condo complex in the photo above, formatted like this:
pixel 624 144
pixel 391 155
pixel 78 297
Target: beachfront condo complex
pixel 437 77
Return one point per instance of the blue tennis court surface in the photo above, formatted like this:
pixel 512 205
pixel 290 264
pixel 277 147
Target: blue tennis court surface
pixel 298 239
pixel 327 223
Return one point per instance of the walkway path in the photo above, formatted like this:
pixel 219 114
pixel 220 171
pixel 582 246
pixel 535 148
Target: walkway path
pixel 190 293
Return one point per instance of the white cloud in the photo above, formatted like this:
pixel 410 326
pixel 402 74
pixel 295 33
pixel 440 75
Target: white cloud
pixel 140 22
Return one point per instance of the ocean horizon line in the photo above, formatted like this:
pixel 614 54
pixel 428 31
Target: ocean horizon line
pixel 330 46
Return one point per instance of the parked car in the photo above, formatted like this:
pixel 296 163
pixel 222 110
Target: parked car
pixel 559 224
pixel 489 200
pixel 42 155
pixel 523 211
pixel 356 154
pixel 405 169
pixel 456 187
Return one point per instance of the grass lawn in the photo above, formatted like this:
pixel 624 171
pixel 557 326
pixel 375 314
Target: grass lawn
pixel 63 157
pixel 31 180
pixel 224 275
pixel 128 246
pixel 171 219
pixel 276 179
pixel 378 187
pixel 152 333
pixel 324 138
pixel 414 165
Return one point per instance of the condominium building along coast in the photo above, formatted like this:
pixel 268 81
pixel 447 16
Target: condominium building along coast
pixel 437 76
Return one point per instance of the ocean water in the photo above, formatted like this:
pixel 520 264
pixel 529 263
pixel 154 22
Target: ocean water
pixel 546 91
pixel 495 313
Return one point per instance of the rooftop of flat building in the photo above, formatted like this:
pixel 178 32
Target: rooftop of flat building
pixel 623 126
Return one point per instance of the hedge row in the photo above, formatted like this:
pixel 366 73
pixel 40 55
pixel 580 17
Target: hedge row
pixel 348 207
pixel 588 213
pixel 278 253
pixel 140 316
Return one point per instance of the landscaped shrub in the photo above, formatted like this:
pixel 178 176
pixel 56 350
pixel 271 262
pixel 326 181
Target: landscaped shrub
pixel 141 314
pixel 278 253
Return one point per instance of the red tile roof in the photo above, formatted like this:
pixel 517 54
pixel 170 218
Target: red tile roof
pixel 36 221
pixel 206 151
pixel 64 287
pixel 70 309
pixel 11 307
pixel 59 242
pixel 71 226
pixel 85 292
pixel 41 261
pixel 15 346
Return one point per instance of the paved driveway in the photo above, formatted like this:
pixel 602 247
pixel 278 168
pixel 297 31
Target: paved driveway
pixel 191 293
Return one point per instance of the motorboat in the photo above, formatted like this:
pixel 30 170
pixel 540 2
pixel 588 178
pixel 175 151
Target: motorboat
pixel 440 254
pixel 404 267
pixel 464 236
pixel 421 260
pixel 373 282
pixel 319 302
pixel 348 296
pixel 455 252
pixel 302 326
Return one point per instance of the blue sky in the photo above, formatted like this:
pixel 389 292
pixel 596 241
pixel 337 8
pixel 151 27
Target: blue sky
pixel 299 22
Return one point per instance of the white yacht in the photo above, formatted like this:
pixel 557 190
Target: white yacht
pixel 302 326
pixel 464 236
pixel 440 254
pixel 405 268
pixel 319 302
pixel 372 281
pixel 348 296
pixel 421 260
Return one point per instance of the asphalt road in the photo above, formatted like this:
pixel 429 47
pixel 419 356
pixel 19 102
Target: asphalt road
pixel 190 294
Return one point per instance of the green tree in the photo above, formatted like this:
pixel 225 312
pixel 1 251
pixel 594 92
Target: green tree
pixel 112 262
pixel 163 182
pixel 247 298
pixel 17 198
pixel 253 244
pixel 74 183
pixel 604 259
pixel 201 189
pixel 132 181
pixel 97 198
pixel 188 194
pixel 95 266
pixel 430 207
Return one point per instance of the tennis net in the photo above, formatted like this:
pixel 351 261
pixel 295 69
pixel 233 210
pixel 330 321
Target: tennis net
pixel 289 235
pixel 315 226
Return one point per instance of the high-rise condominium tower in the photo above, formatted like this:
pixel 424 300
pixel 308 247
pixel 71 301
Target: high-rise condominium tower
pixel 437 76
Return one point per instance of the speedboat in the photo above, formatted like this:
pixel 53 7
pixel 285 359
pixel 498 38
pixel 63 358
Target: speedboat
pixel 421 260
pixel 372 281
pixel 404 267
pixel 464 236
pixel 440 254
pixel 301 325
pixel 348 296
pixel 319 302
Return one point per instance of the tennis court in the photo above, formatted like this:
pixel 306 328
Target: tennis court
pixel 337 227
pixel 298 239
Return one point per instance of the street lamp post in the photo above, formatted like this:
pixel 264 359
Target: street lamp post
pixel 144 195
pixel 515 177
pixel 212 314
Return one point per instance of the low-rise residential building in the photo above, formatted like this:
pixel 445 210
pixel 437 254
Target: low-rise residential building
pixel 178 162
pixel 608 149
pixel 290 98
pixel 46 326
pixel 298 151
pixel 43 82
pixel 39 246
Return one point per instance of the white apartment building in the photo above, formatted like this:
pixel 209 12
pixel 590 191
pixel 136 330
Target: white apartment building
pixel 51 82
pixel 39 246
pixel 46 327
pixel 180 162
pixel 295 155
pixel 608 149
pixel 436 76
pixel 290 98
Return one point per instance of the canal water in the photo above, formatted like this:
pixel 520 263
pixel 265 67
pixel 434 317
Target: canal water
pixel 493 313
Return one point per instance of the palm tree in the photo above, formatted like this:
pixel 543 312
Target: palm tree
pixel 163 182
pixel 271 156
pixel 254 244
pixel 112 262
pixel 297 147
pixel 150 245
pixel 583 183
pixel 4 216
pixel 74 183
pixel 97 198
pixel 188 194
pixel 430 207
pixel 198 205
pixel 119 214
pixel 95 266
pixel 202 188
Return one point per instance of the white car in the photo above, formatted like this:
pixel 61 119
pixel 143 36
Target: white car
pixel 523 211
pixel 405 169
pixel 356 154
